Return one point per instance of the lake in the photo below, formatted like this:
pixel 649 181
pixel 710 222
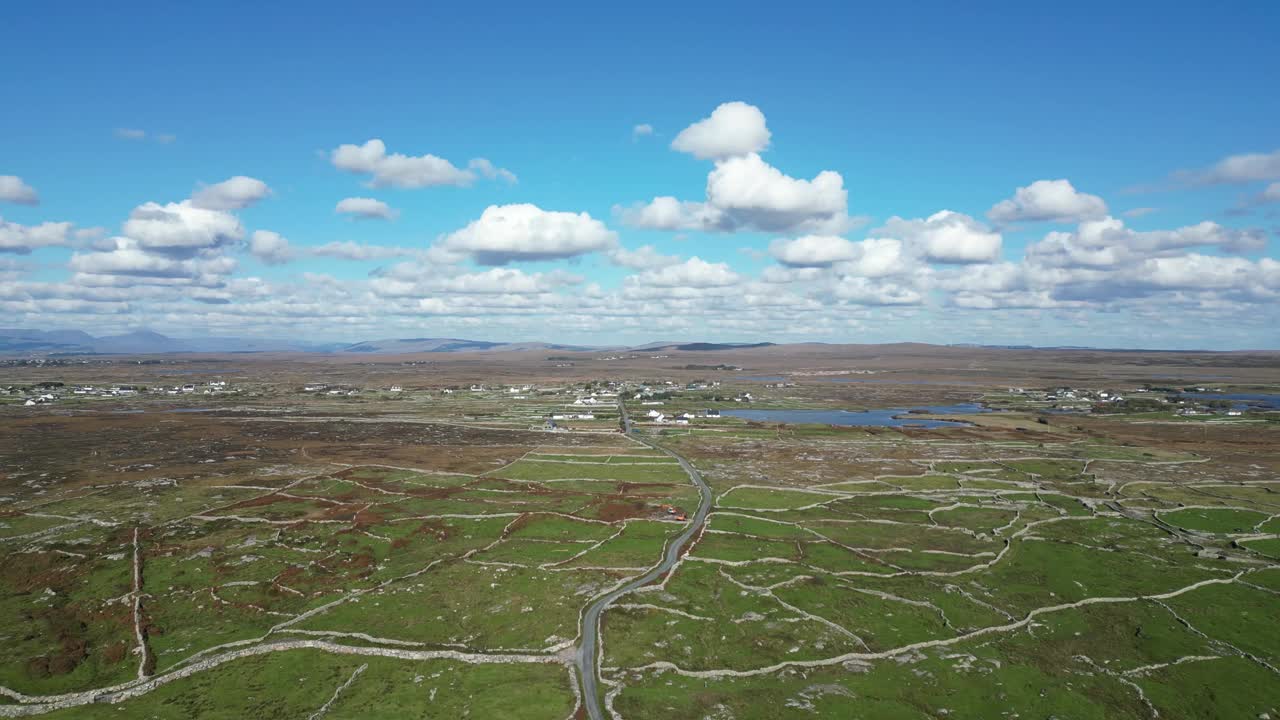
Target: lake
pixel 139 411
pixel 889 417
pixel 899 381
pixel 1242 400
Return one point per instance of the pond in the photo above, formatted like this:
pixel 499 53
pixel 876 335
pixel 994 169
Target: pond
pixel 140 411
pixel 856 379
pixel 1240 400
pixel 889 417
pixel 900 381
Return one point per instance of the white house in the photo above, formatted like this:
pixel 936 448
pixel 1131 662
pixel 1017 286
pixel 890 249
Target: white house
pixel 654 414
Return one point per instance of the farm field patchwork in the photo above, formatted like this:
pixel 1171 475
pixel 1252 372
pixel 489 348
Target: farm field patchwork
pixel 272 562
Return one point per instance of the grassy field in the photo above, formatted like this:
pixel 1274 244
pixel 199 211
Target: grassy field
pixel 431 555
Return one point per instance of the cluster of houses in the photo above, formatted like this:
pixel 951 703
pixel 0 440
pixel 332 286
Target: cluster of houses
pixel 46 393
pixel 1070 398
pixel 210 388
pixel 573 416
pixel 1091 396
pixel 1080 399
pixel 603 397
pixel 40 399
pixel 340 391
pixel 684 418
pixel 1191 408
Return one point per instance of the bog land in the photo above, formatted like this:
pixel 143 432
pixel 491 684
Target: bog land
pixel 301 536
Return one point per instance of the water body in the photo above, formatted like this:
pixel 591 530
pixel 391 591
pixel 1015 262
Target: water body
pixel 139 411
pixel 889 417
pixel 897 381
pixel 1241 400
pixel 855 379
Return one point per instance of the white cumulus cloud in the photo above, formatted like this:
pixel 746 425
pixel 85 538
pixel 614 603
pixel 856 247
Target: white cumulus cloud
pixel 504 233
pixel 750 192
pixel 864 291
pixel 692 273
pixel 408 171
pixel 130 258
pixel 746 193
pixel 234 193
pixel 880 257
pixel 1108 243
pixel 734 128
pixel 270 247
pixel 813 251
pixel 669 213
pixel 1243 168
pixel 365 208
pixel 22 239
pixel 14 190
pixel 1048 201
pixel 946 237
pixel 181 227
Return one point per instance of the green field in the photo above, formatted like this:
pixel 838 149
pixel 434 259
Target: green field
pixel 436 562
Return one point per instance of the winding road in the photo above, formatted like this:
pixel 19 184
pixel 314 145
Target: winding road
pixel 589 649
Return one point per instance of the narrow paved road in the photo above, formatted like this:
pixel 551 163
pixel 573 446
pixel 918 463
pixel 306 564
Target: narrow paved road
pixel 588 650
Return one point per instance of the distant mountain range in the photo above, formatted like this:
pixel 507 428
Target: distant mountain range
pixel 429 345
pixel 16 341
pixel 20 341
pixel 698 346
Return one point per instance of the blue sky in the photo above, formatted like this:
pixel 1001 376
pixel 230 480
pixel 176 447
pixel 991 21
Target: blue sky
pixel 918 107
